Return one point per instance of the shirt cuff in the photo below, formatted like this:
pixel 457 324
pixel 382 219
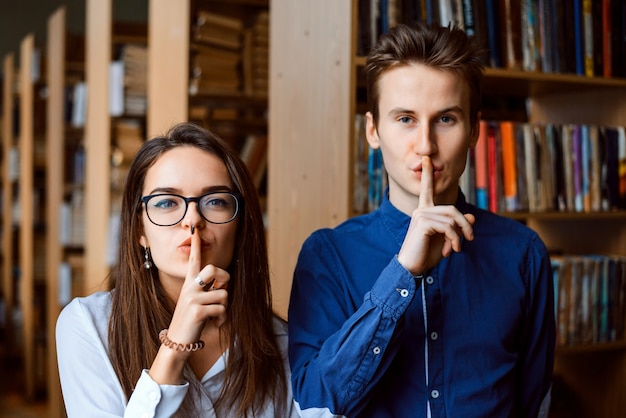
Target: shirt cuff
pixel 149 399
pixel 394 289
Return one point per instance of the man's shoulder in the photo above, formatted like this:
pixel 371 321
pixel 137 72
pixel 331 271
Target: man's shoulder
pixel 501 230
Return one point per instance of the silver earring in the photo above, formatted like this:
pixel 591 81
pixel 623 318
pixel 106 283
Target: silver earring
pixel 146 255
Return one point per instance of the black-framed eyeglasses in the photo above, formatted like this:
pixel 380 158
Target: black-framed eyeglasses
pixel 167 209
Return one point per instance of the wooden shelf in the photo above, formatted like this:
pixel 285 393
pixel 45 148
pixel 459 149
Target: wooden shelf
pixel 567 216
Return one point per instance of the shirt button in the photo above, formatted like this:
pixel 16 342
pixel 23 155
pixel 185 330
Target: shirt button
pixel 434 393
pixel 153 396
pixel 430 280
pixel 404 293
pixel 146 415
pixel 376 350
pixel 434 335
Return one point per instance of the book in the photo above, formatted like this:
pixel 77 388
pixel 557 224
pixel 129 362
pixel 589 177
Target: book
pixel 481 166
pixel 493 33
pixel 585 163
pixel 579 42
pixel 611 156
pixel 530 157
pixel 531 59
pixel 494 185
pixel 618 35
pixel 218 29
pixel 520 164
pixel 116 88
pixel 468 17
pixel 544 168
pixel 511 15
pixel 481 30
pixel 595 175
pixel 607 50
pixel 546 35
pixel 507 132
pixel 587 28
pixel 621 166
pixel 577 163
pixel 551 136
pixel 598 37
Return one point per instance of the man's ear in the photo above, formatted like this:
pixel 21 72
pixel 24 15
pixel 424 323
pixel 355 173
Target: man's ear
pixel 371 132
pixel 475 132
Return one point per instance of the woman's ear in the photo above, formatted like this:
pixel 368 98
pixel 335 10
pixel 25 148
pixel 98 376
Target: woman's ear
pixel 143 241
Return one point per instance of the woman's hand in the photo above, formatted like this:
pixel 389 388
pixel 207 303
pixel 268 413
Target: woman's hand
pixel 199 306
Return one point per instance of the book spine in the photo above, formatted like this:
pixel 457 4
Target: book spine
pixel 508 166
pixel 531 169
pixel 588 23
pixel 607 63
pixel 480 161
pixel 577 169
pixel 578 37
pixel 493 34
pixel 585 152
pixel 492 159
pixel 468 17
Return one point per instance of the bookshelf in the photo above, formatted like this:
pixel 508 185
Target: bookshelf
pixel 64 134
pixel 8 167
pixel 314 90
pixel 216 79
pixel 27 217
pixel 105 41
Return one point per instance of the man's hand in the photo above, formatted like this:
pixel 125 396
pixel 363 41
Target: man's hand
pixel 434 231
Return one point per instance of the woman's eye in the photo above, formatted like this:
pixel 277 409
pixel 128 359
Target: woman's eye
pixel 216 202
pixel 165 203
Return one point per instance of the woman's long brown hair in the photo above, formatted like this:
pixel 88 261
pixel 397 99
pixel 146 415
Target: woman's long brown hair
pixel 255 371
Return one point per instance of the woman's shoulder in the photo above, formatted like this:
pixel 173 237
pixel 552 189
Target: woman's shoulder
pixel 93 309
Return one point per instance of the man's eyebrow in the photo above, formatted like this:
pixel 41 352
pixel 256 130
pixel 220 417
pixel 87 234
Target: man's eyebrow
pixel 452 109
pixel 400 110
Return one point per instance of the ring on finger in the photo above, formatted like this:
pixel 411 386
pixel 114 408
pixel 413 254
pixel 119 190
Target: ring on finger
pixel 198 280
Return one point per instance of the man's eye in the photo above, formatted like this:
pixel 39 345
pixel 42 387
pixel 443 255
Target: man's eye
pixel 405 119
pixel 446 119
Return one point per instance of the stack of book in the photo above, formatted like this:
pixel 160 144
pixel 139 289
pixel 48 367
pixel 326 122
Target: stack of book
pixel 135 59
pixel 216 62
pixel 256 56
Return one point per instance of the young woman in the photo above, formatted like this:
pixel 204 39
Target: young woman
pixel 188 328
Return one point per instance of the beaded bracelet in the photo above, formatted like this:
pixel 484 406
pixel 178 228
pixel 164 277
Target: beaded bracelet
pixel 198 345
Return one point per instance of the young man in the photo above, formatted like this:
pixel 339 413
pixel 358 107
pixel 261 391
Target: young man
pixel 428 306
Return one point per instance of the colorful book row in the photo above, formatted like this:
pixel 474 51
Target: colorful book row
pixel 590 305
pixel 584 37
pixel 523 167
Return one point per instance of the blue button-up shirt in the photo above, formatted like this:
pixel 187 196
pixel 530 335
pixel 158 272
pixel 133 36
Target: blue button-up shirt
pixel 472 337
